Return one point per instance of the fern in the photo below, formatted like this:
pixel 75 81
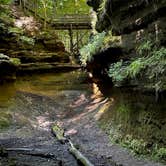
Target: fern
pixel 117 71
pixel 87 52
pixel 151 62
pixel 27 40
pixel 135 67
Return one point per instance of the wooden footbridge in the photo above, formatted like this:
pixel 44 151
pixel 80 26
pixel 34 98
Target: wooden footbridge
pixel 72 21
pixel 77 25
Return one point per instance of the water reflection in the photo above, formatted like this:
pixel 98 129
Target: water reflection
pixel 7 91
pixel 38 99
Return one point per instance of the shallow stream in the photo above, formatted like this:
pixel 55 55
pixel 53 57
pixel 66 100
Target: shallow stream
pixel 21 101
pixel 133 119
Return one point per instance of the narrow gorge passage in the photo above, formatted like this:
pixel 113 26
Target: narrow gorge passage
pixel 82 83
pixel 32 105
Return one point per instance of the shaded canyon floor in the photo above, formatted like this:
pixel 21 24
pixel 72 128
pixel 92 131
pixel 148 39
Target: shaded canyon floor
pixel 31 105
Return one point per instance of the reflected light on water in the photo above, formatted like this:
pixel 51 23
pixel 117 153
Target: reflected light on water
pixel 96 91
pixel 6 93
pixel 98 105
pixel 104 108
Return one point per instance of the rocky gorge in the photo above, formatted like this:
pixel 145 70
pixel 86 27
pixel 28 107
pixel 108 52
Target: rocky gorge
pixel 134 30
pixel 116 118
pixel 23 39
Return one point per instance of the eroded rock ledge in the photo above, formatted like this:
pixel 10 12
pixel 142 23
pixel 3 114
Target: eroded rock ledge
pixel 23 37
pixel 134 21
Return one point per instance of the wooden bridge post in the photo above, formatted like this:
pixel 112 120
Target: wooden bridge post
pixel 77 41
pixel 71 39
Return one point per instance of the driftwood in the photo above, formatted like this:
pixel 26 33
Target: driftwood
pixel 79 156
pixel 59 133
pixel 31 151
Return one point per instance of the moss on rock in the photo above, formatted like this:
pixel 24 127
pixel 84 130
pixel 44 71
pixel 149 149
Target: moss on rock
pixel 5 119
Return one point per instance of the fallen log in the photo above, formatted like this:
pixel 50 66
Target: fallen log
pixel 79 156
pixel 31 151
pixel 59 133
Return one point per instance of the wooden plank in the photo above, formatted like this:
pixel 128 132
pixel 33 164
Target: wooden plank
pixel 75 26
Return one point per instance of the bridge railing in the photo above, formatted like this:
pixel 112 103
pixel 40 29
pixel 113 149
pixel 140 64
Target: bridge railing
pixel 72 18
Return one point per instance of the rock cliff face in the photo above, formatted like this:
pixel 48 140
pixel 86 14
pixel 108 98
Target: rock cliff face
pixel 132 21
pixel 32 48
pixel 128 16
pixel 7 68
pixel 23 37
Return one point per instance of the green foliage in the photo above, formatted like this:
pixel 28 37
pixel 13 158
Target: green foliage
pixel 15 61
pixel 111 40
pixel 71 7
pixel 137 146
pixel 45 8
pixel 156 63
pixel 51 9
pixel 5 119
pixel 15 30
pixel 4 2
pixel 102 6
pixel 151 62
pixel 160 154
pixel 5 17
pixel 144 47
pixel 27 40
pixel 87 52
pixel 2 28
pixel 135 67
pixel 117 71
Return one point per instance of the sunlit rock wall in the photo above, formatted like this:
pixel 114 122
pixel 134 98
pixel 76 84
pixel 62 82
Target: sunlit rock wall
pixel 133 21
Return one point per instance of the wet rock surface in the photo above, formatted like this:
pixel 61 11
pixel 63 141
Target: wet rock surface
pixel 7 68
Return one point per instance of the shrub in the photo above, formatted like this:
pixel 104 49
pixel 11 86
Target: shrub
pixel 15 61
pixel 117 71
pixel 87 52
pixel 160 154
pixel 137 146
pixel 27 40
pixel 151 61
pixel 4 2
pixel 15 30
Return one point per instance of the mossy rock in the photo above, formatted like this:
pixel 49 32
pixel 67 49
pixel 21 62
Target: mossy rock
pixel 161 154
pixel 59 133
pixel 5 120
pixel 4 57
pixel 15 61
